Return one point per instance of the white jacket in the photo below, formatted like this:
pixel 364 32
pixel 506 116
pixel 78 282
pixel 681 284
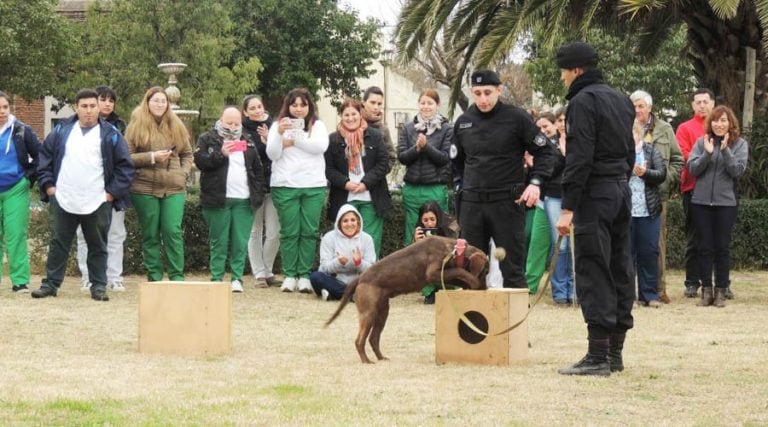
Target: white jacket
pixel 303 164
pixel 335 242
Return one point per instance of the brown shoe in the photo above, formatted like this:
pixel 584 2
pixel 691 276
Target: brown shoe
pixel 273 281
pixel 663 297
pixel 260 283
pixel 706 296
pixel 719 297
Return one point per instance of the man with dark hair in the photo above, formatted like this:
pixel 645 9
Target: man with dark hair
pixel 702 103
pixel 597 201
pixel 117 233
pixel 490 140
pixel 373 101
pixel 84 171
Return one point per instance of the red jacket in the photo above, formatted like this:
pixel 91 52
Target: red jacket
pixel 687 134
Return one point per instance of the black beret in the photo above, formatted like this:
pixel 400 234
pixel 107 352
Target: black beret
pixel 576 55
pixel 485 78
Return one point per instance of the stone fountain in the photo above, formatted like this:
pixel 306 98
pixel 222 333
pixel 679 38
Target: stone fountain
pixel 172 69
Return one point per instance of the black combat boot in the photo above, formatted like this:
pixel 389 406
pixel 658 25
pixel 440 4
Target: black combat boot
pixel 614 351
pixel 719 300
pixel 594 363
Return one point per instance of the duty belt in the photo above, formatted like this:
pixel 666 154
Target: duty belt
pixel 485 196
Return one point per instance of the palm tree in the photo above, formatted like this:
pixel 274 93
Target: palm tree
pixel 483 31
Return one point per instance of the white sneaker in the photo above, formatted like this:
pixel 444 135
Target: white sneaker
pixel 289 284
pixel 237 286
pixel 117 286
pixel 324 294
pixel 305 286
pixel 86 286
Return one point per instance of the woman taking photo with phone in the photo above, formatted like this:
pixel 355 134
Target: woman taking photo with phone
pixel 424 148
pixel 296 144
pixel 162 155
pixel 231 189
pixel 356 165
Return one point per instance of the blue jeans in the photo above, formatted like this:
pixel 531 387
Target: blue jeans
pixel 334 286
pixel 645 254
pixel 562 277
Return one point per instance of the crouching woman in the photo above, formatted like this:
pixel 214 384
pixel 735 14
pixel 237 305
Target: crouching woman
pixel 345 252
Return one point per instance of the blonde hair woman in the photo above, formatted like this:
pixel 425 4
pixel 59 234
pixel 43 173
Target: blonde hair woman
pixel 160 148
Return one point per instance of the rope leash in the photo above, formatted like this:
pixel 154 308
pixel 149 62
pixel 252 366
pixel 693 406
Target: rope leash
pixel 540 294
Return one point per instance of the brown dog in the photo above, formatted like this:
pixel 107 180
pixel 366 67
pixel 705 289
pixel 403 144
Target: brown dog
pixel 404 271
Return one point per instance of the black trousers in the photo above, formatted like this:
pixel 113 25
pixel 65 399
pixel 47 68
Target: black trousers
pixel 604 274
pixel 63 227
pixel 504 221
pixel 714 228
pixel 692 277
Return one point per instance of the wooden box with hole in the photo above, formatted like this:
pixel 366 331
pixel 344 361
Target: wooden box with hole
pixel 491 311
pixel 185 318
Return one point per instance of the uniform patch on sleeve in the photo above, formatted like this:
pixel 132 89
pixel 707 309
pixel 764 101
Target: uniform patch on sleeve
pixel 540 140
pixel 465 125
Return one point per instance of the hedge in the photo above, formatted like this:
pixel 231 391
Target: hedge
pixel 749 248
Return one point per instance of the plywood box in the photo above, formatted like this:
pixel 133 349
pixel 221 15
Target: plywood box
pixel 185 318
pixel 492 311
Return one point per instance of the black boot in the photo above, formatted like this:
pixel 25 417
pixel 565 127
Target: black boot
pixel 594 363
pixel 614 352
pixel 719 300
pixel 707 297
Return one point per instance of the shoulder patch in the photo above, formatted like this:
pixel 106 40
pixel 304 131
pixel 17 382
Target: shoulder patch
pixel 465 125
pixel 540 140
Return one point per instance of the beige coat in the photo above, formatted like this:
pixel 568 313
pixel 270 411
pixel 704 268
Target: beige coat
pixel 161 179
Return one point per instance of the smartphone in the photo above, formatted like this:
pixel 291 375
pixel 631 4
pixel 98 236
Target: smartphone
pixel 430 231
pixel 240 145
pixel 173 148
pixel 297 124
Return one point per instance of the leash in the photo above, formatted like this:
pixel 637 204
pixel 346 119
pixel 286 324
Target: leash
pixel 542 291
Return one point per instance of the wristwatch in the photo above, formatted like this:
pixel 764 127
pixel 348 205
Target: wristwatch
pixel 535 181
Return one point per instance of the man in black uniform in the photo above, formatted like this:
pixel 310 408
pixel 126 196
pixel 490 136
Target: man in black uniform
pixel 490 140
pixel 596 199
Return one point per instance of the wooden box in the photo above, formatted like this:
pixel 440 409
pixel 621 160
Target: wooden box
pixel 492 311
pixel 185 318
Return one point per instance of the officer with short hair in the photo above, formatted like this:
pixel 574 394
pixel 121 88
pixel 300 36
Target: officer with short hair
pixel 490 140
pixel 599 157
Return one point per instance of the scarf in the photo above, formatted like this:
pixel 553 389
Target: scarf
pixel 648 129
pixel 354 148
pixel 429 125
pixel 373 122
pixel 253 125
pixel 590 77
pixel 9 124
pixel 226 133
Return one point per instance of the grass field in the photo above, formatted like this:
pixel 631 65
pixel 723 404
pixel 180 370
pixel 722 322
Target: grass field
pixel 73 361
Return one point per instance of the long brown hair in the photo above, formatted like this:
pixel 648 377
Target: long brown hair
pixel 145 127
pixel 733 123
pixel 304 95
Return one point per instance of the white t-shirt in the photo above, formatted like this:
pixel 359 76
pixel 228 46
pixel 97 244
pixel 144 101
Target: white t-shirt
pixel 80 184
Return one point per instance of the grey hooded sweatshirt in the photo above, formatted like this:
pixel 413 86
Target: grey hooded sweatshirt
pixel 335 242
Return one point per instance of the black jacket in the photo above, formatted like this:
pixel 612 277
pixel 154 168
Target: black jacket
pixel 250 128
pixel 430 166
pixel 655 174
pixel 27 148
pixel 490 147
pixel 214 166
pixel 375 167
pixel 554 187
pixel 116 121
pixel 598 136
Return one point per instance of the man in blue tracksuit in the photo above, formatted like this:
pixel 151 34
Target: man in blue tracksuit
pixel 84 171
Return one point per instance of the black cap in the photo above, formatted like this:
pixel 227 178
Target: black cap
pixel 485 78
pixel 576 55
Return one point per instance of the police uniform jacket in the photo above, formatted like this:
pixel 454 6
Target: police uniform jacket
pixel 490 147
pixel 599 142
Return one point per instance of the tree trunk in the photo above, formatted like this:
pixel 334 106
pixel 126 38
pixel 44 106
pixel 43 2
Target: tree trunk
pixel 719 58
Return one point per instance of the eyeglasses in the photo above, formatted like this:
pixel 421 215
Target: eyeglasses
pixel 158 101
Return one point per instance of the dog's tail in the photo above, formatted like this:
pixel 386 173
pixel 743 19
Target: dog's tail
pixel 348 292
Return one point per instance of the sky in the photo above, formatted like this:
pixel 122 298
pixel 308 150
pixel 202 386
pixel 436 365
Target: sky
pixel 383 10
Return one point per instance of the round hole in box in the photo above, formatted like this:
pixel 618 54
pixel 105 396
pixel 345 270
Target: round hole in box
pixel 467 334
